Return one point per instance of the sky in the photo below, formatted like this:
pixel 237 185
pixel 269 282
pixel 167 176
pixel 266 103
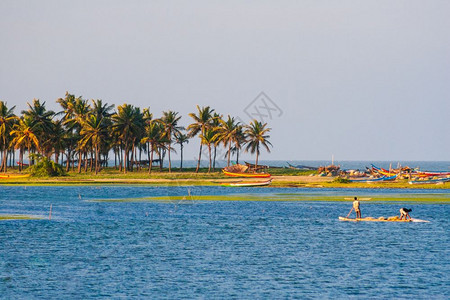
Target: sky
pixel 359 80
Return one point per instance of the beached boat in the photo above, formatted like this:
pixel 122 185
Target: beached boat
pixel 433 173
pixel 382 219
pixel 248 183
pixel 430 181
pixel 12 176
pixel 247 175
pixel 368 180
pixel 241 171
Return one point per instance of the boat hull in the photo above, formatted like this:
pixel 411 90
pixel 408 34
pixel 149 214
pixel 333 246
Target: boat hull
pixel 247 175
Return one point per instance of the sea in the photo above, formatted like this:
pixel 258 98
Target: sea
pixel 344 164
pixel 110 242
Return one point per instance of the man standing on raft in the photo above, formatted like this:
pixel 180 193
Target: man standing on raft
pixel 356 208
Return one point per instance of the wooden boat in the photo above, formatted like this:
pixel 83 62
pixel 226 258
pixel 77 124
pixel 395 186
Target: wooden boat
pixel 247 175
pixel 248 183
pixel 12 176
pixel 301 167
pixel 240 171
pixel 368 180
pixel 433 173
pixel 382 219
pixel 430 181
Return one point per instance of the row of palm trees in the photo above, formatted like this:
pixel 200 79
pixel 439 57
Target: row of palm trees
pixel 85 132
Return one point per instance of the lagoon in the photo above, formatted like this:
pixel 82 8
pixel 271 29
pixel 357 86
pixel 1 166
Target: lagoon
pixel 183 249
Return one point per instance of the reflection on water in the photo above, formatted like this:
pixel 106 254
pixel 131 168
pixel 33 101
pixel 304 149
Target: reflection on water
pixel 216 249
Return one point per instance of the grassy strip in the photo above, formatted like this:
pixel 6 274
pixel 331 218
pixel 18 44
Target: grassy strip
pixel 19 217
pixel 188 176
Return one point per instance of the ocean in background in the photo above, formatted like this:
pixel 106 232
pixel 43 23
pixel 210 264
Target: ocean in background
pixel 346 164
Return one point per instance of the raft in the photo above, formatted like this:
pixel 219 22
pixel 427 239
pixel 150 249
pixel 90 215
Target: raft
pixel 382 219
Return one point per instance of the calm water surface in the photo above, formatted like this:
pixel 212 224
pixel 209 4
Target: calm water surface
pixel 217 249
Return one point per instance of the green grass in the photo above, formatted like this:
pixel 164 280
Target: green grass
pixel 19 217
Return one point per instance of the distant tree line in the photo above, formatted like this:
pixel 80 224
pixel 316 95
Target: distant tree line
pixel 83 134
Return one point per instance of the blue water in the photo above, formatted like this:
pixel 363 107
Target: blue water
pixel 217 249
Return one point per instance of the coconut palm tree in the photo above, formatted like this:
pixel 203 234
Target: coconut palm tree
pixel 181 139
pixel 215 123
pixel 127 123
pixel 202 120
pixel 229 130
pixel 41 119
pixel 209 137
pixel 94 131
pixel 169 121
pixel 7 120
pixel 24 136
pixel 153 132
pixel 257 136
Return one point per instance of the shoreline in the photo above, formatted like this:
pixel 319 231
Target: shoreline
pixel 213 179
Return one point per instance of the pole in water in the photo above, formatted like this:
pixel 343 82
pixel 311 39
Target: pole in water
pixel 50 214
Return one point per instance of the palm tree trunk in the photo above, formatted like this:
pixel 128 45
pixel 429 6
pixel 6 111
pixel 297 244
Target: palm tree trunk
pixel 214 160
pixel 170 163
pixel 21 159
pixel 210 162
pixel 125 159
pixel 256 163
pixel 79 161
pixel 199 158
pixel 229 153
pixel 181 164
pixel 96 160
pixel 150 162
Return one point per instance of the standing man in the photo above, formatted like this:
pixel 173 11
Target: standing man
pixel 356 208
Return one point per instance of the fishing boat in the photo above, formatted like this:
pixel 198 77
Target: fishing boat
pixel 12 176
pixel 382 219
pixel 247 175
pixel 430 181
pixel 248 183
pixel 368 180
pixel 241 171
pixel 433 173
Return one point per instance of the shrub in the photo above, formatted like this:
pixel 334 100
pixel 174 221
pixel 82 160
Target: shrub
pixel 45 167
pixel 341 180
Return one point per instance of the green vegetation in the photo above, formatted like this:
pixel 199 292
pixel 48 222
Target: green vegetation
pixel 19 217
pixel 45 167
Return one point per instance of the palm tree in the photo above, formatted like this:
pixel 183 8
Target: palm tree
pixel 215 123
pixel 24 136
pixel 229 130
pixel 256 136
pixel 41 119
pixel 7 120
pixel 209 137
pixel 94 131
pixel 169 121
pixel 127 123
pixel 153 132
pixel 101 110
pixel 202 120
pixel 181 139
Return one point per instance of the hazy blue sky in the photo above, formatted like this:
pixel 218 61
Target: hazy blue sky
pixel 363 80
